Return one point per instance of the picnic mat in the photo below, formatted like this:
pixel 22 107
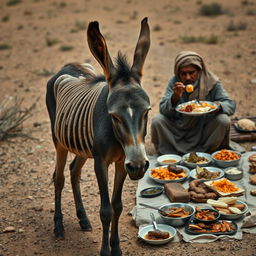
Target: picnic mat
pixel 141 214
pixel 241 136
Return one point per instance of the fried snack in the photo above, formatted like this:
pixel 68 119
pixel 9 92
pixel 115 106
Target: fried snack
pixel 224 185
pixel 189 88
pixel 252 179
pixel 246 124
pixel 226 155
pixel 157 235
pixel 163 173
pixel 253 192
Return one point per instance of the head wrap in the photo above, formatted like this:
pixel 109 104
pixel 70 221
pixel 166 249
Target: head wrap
pixel 207 79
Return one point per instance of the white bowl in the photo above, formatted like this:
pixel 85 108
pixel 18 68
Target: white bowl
pixel 226 163
pixel 175 159
pixel 200 154
pixel 163 227
pixel 210 169
pixel 173 180
pixel 234 175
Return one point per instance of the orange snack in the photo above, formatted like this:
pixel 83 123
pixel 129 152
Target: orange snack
pixel 226 155
pixel 189 88
pixel 224 185
pixel 163 173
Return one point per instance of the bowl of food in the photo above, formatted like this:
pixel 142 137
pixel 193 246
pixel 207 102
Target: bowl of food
pixel 151 191
pixel 150 236
pixel 169 173
pixel 194 159
pixel 206 215
pixel 168 159
pixel 176 214
pixel 234 173
pixel 206 173
pixel 225 158
pixel 230 208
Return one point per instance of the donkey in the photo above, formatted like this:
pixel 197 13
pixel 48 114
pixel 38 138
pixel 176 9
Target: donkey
pixel 100 117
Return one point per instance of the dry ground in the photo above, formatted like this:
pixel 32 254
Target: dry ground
pixel 42 36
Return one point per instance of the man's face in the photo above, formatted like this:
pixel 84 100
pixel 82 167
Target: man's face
pixel 188 74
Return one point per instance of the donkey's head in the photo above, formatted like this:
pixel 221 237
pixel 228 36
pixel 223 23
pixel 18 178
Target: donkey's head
pixel 128 104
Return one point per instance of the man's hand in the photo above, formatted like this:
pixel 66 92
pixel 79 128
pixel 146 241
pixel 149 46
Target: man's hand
pixel 178 90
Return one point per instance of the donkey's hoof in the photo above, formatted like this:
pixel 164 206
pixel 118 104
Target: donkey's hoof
pixel 85 226
pixel 116 252
pixel 59 234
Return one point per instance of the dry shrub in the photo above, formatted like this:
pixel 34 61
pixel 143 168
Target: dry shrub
pixel 12 116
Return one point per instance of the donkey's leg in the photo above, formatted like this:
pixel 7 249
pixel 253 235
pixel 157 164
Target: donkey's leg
pixel 75 172
pixel 101 171
pixel 120 175
pixel 61 158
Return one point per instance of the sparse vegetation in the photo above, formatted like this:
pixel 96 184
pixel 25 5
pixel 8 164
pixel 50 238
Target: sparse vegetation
pixel 79 25
pixel 235 27
pixel 213 9
pixel 13 2
pixel 212 39
pixel 51 41
pixel 12 116
pixel 65 48
pixel 5 18
pixel 44 72
pixel 5 47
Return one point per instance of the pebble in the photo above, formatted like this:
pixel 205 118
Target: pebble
pixel 9 229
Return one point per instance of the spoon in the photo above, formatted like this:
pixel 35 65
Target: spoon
pixel 165 213
pixel 154 222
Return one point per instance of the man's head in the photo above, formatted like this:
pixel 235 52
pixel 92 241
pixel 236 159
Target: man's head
pixel 189 74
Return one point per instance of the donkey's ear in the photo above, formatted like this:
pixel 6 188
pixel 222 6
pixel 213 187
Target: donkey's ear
pixel 98 47
pixel 142 48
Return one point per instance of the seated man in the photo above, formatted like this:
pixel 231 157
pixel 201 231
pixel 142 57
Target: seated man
pixel 173 132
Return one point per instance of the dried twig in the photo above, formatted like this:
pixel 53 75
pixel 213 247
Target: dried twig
pixel 12 118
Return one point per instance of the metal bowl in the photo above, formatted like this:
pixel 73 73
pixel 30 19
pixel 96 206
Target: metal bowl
pixel 169 159
pixel 236 175
pixel 177 221
pixel 215 212
pixel 173 180
pixel 193 165
pixel 163 227
pixel 235 216
pixel 226 163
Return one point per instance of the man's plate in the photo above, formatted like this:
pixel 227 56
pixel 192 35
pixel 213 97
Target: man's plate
pixel 196 108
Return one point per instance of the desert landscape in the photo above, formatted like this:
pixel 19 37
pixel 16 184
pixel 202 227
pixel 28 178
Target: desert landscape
pixel 37 38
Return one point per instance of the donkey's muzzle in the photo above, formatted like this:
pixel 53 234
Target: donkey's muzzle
pixel 136 170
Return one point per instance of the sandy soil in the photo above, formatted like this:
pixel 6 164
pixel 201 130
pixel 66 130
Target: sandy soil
pixel 45 35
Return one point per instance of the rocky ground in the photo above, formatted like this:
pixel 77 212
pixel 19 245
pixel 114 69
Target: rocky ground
pixel 37 38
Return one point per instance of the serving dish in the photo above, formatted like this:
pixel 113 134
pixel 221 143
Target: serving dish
pixel 168 159
pixel 218 227
pixel 238 128
pixel 151 192
pixel 206 215
pixel 229 155
pixel 215 185
pixel 196 107
pixel 162 175
pixel 233 173
pixel 163 227
pixel 177 221
pixel 193 173
pixel 193 156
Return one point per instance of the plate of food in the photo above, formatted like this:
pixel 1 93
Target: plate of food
pixel 224 187
pixel 206 173
pixel 219 227
pixel 196 107
pixel 169 173
pixel 245 125
pixel 194 159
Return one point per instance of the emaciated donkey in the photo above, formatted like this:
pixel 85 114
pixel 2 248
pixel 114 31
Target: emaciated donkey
pixel 104 118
